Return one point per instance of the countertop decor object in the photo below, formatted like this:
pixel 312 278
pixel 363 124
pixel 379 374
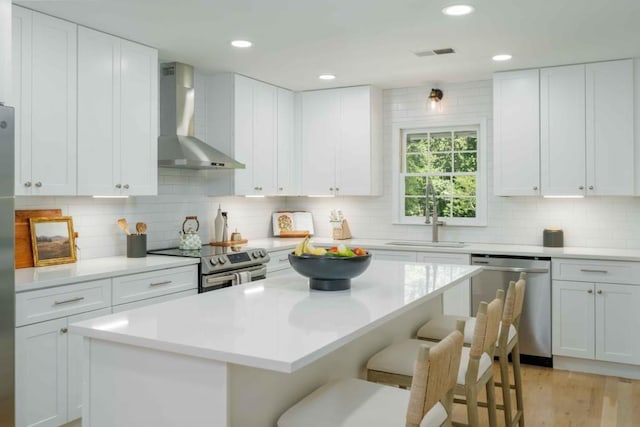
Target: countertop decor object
pixel 329 273
pixel 52 240
pixel 189 239
pixel 292 224
pixel 552 237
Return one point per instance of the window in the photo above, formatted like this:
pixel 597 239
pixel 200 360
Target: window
pixel 452 159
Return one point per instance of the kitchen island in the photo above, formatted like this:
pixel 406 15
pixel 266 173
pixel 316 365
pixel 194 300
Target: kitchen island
pixel 242 355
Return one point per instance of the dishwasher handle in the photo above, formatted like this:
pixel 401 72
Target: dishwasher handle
pixel 515 269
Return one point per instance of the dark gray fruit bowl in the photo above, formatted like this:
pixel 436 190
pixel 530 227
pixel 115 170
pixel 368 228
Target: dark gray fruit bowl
pixel 329 273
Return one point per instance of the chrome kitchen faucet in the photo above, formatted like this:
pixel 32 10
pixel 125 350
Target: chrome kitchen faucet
pixel 434 215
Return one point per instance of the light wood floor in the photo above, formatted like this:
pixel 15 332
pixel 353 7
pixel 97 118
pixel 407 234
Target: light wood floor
pixel 563 398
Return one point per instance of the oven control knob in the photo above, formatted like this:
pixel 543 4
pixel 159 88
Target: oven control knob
pixel 222 259
pixel 213 261
pixel 263 253
pixel 255 254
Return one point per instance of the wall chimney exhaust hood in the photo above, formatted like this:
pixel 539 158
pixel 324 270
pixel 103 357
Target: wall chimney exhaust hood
pixel 177 146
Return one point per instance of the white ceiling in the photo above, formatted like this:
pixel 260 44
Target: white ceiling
pixel 364 41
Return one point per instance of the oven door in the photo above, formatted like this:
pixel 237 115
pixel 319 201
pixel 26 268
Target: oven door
pixel 211 282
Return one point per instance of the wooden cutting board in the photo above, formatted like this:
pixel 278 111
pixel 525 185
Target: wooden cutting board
pixel 24 253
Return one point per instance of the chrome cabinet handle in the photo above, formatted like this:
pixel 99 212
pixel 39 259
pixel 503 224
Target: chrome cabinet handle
pixel 337 189
pixel 535 188
pixel 118 185
pixel 166 282
pixel 67 301
pixel 27 184
pixel 581 187
pixel 38 184
pixel 64 330
pixel 330 188
pixel 280 189
pixel 600 292
pixel 126 186
pixel 588 270
pixel 285 259
pixel 590 291
pixel 591 187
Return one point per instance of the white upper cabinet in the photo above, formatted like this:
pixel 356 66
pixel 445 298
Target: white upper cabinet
pixel 252 122
pixel 587 136
pixel 341 142
pixel 44 95
pixel 516 133
pixel 562 135
pixel 117 116
pixel 609 133
pixel 287 180
pixel 5 46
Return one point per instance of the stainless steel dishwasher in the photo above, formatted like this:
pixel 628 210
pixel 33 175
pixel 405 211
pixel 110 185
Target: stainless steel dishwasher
pixel 535 323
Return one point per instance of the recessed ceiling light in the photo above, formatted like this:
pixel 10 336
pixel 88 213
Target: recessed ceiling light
pixel 458 10
pixel 326 76
pixel 241 43
pixel 502 57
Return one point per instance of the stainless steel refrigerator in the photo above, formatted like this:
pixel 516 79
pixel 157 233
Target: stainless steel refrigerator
pixel 7 286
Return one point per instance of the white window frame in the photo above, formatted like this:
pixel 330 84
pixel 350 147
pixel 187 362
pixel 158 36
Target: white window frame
pixel 397 190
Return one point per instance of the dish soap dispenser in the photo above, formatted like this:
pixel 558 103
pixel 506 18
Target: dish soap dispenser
pixel 218 226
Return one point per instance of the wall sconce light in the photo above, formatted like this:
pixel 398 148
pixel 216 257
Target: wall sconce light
pixel 435 96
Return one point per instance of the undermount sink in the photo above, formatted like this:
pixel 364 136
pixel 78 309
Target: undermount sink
pixel 430 244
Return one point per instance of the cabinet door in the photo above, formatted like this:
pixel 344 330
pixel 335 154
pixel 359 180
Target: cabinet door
pixel 5 46
pixel 21 96
pixel 98 119
pixel 516 133
pixel 243 135
pixel 457 300
pixel 573 319
pixel 53 105
pixel 264 158
pixel 617 323
pixel 609 132
pixel 353 149
pixel 288 183
pixel 75 361
pixel 138 119
pixel 320 134
pixel 562 130
pixel 41 374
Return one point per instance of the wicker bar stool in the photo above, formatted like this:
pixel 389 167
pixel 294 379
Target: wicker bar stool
pixel 392 365
pixel 357 403
pixel 507 344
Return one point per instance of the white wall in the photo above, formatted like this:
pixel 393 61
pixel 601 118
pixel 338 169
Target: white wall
pixel 589 222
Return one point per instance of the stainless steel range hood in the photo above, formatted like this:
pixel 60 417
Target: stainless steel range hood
pixel 177 146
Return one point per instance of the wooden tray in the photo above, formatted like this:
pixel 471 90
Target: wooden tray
pixel 230 243
pixel 24 253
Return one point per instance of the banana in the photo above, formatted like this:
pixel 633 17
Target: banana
pixel 301 248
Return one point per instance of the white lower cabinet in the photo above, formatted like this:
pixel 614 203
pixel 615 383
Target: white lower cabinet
pixel 592 319
pixel 278 261
pixel 49 360
pixel 49 372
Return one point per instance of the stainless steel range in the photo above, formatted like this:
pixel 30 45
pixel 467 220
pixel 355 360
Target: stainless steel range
pixel 221 267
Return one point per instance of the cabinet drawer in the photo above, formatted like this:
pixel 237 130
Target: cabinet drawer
pixel 52 303
pixel 596 271
pixel 155 283
pixel 443 258
pixel 151 301
pixel 279 260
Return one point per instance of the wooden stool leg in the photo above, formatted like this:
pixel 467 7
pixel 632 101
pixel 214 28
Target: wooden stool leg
pixel 505 385
pixel 472 405
pixel 491 403
pixel 517 379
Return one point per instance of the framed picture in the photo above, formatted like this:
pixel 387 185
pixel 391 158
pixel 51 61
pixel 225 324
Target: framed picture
pixel 52 240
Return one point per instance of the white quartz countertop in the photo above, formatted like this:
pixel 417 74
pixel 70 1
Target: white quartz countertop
pixel 29 279
pixel 277 323
pixel 274 244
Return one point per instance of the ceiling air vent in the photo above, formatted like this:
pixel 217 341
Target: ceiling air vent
pixel 433 52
